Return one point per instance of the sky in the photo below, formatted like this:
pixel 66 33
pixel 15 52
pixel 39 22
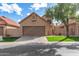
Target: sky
pixel 18 11
pixel 41 1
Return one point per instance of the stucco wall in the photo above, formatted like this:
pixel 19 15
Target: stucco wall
pixel 13 31
pixel 58 30
pixel 29 21
pixel 61 30
pixel 38 22
pixel 77 29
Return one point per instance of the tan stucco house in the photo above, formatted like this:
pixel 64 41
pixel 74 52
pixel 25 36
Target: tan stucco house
pixel 34 25
pixel 9 28
pixel 73 28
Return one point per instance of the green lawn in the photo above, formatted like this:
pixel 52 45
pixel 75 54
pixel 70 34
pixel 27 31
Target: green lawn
pixel 8 39
pixel 62 38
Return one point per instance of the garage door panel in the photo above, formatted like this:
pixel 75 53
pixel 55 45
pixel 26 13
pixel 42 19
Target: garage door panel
pixel 34 30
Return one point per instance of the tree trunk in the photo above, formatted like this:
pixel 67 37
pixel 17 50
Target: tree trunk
pixel 67 28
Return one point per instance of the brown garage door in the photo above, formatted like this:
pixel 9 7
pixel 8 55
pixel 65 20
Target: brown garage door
pixel 1 31
pixel 34 30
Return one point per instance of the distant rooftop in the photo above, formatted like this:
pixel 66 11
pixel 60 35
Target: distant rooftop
pixel 9 21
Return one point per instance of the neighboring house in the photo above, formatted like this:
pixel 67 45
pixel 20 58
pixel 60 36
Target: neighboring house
pixel 73 28
pixel 9 28
pixel 34 25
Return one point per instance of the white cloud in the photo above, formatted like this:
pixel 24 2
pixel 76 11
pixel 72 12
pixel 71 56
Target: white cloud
pixel 24 1
pixel 19 20
pixel 11 8
pixel 16 8
pixel 6 8
pixel 39 1
pixel 37 6
pixel 30 9
pixel 28 14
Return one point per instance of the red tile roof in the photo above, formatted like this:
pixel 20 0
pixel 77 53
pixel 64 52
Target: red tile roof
pixel 9 21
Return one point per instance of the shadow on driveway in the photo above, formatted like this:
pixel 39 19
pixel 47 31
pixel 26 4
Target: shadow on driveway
pixel 38 49
pixel 30 50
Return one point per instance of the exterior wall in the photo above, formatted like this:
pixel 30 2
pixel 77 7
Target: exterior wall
pixel 56 30
pixel 49 30
pixel 29 21
pixel 38 22
pixel 77 29
pixel 61 30
pixel 72 29
pixel 2 24
pixel 9 30
pixel 12 31
pixel 1 30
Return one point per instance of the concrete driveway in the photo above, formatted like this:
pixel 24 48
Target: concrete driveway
pixel 25 40
pixel 36 39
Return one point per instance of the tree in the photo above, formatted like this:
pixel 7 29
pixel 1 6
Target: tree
pixel 62 12
pixel 48 14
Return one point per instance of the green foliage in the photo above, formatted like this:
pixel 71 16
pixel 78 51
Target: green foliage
pixel 62 39
pixel 61 11
pixel 64 11
pixel 49 13
pixel 9 39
